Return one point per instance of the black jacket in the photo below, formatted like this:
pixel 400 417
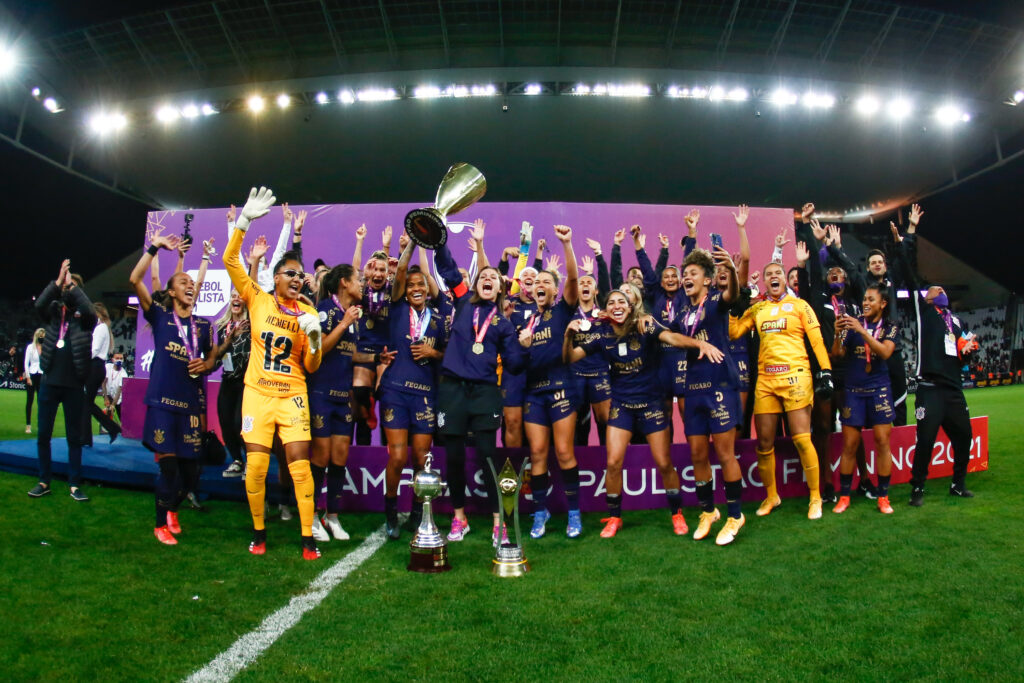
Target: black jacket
pixel 82 320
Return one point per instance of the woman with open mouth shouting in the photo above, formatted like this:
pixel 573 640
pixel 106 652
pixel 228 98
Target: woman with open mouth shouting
pixel 628 342
pixel 551 400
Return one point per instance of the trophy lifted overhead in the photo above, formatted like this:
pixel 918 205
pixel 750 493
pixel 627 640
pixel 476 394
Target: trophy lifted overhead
pixel 462 186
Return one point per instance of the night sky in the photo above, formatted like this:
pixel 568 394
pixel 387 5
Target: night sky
pixel 50 215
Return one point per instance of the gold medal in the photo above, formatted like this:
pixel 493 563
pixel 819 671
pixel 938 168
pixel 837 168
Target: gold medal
pixel 369 324
pixel 867 367
pixel 478 348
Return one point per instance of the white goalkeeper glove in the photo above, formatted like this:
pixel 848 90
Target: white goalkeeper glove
pixel 256 206
pixel 310 325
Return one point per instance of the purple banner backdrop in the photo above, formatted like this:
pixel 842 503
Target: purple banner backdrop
pixel 330 234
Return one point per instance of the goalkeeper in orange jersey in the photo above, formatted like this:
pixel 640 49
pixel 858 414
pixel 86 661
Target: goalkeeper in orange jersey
pixel 286 347
pixel 784 382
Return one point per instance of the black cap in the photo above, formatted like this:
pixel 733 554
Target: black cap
pixel 319 262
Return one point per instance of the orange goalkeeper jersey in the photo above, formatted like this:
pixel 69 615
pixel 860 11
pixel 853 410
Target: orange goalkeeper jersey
pixel 277 364
pixel 781 326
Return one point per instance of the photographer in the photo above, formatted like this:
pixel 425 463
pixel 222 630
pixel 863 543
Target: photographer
pixel 69 319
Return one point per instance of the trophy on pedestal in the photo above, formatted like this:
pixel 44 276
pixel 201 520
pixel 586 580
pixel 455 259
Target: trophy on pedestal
pixel 428 551
pixel 508 557
pixel 461 187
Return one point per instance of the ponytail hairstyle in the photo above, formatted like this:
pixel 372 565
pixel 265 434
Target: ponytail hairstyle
pixel 332 279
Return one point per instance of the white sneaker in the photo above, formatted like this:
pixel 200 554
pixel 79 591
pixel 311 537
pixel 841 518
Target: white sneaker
pixel 319 532
pixel 286 514
pixel 335 526
pixel 28 429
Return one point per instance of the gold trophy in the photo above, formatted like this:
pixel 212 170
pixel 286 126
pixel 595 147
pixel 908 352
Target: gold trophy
pixel 508 557
pixel 428 551
pixel 461 187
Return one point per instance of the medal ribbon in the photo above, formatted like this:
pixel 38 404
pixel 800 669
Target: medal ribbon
pixel 696 317
pixel 670 310
pixel 63 325
pixel 876 333
pixel 595 312
pixel 284 309
pixel 417 324
pixel 191 349
pixel 481 332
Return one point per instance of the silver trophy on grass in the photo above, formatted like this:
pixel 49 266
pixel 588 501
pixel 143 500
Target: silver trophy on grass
pixel 508 558
pixel 428 549
pixel 461 187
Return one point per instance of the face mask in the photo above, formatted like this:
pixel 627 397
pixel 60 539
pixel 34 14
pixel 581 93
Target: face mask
pixel 117 364
pixel 942 301
pixel 836 287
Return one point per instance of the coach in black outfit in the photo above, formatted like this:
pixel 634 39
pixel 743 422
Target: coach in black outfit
pixel 942 351
pixel 69 318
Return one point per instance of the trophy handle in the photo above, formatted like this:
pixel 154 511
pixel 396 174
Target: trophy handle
pixel 519 489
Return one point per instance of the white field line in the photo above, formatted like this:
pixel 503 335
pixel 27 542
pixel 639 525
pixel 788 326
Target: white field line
pixel 249 647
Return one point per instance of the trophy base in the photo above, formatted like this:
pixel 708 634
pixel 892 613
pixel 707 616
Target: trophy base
pixel 426 228
pixel 509 562
pixel 428 560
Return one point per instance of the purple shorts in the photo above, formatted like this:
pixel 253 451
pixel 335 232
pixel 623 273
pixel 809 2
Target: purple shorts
pixel 867 407
pixel 548 407
pixel 513 389
pixel 646 417
pixel 412 412
pixel 591 390
pixel 329 417
pixel 712 412
pixel 164 431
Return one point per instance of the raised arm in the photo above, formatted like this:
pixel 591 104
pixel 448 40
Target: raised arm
pixel 651 279
pixel 722 258
pixel 571 291
pixel 426 270
pixel 398 287
pixel 52 290
pixel 448 269
pixel 682 341
pixel 477 235
pixel 525 239
pixel 256 206
pixel 357 255
pixel 208 251
pixel 616 264
pixel 137 278
pixel 743 265
pixel 662 254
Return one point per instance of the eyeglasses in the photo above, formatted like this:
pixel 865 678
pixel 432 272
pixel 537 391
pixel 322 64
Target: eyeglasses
pixel 292 273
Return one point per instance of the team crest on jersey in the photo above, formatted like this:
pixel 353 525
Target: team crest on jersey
pixel 248 422
pixel 389 415
pixel 318 421
pixel 634 344
pixel 919 413
pixel 158 436
pixel 787 307
pixel 846 412
pixel 775 310
pixel 546 316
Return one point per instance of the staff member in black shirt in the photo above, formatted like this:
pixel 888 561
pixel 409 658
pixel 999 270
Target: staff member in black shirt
pixel 67 347
pixel 943 346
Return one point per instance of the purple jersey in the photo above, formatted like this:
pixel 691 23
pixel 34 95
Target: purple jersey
pixel 170 386
pixel 545 368
pixel 857 375
pixel 405 374
pixel 591 366
pixel 333 379
pixel 707 321
pixel 634 378
pixel 373 326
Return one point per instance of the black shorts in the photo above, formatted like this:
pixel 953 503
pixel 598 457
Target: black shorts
pixel 464 407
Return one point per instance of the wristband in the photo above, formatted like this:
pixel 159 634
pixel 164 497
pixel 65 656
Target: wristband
pixel 153 250
pixel 376 358
pixel 206 258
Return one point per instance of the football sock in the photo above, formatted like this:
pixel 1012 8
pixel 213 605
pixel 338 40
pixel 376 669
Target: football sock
pixel 539 485
pixel 168 484
pixel 675 500
pixel 809 459
pixel 336 476
pixel 614 504
pixel 256 486
pixel 733 493
pixel 571 481
pixel 302 480
pixel 766 466
pixel 845 483
pixel 391 507
pixel 883 485
pixel 705 496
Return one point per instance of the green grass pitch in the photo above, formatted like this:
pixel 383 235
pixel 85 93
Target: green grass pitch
pixel 926 594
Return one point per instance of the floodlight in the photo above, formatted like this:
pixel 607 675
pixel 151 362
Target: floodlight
pixel 581 89
pixel 51 105
pixel 322 98
pixel 867 105
pixel 167 114
pixel 376 95
pixel 8 60
pixel 283 101
pixel 600 89
pixel 631 90
pixel 103 123
pixel 533 89
pixel 190 111
pixel 1018 96
pixel 208 109
pixel 256 104
pixel 783 97
pixel 717 92
pixel 37 92
pixel 737 94
pixel 346 97
pixel 900 109
pixel 813 100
